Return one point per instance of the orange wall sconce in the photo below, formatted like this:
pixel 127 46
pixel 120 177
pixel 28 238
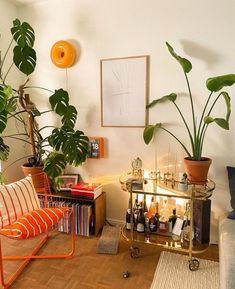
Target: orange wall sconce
pixel 63 54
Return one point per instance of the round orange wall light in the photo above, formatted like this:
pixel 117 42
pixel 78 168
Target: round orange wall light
pixel 63 54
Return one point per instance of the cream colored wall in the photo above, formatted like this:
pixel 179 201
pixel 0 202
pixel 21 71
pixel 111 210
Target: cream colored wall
pixel 200 30
pixel 8 14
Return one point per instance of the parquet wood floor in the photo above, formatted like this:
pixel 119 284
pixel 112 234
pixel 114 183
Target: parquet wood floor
pixel 88 270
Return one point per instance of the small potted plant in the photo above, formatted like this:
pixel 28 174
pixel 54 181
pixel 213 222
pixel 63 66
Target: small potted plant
pixel 64 145
pixel 197 130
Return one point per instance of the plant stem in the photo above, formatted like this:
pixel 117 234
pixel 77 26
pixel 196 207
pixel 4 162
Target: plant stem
pixel 186 125
pixel 15 162
pixel 43 88
pixel 4 79
pixel 204 127
pixel 203 113
pixel 188 153
pixel 18 139
pixel 4 57
pixel 192 108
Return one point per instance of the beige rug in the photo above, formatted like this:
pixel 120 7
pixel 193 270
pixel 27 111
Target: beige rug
pixel 173 273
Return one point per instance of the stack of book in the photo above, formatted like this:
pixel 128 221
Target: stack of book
pixel 87 190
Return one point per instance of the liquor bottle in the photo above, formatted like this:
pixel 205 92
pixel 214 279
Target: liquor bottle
pixel 186 226
pixel 172 218
pixel 152 208
pixel 164 218
pixel 145 209
pixel 153 224
pixel 140 221
pixel 128 216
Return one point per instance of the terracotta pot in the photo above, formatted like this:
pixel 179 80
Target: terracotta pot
pixel 197 171
pixel 38 180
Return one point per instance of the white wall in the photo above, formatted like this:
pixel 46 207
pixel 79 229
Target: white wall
pixel 202 31
pixel 8 14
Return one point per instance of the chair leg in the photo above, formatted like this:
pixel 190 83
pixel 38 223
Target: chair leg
pixel 27 259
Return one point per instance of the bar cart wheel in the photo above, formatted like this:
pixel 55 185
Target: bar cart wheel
pixel 193 265
pixel 135 252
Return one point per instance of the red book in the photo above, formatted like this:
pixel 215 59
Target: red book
pixel 87 190
pixel 91 187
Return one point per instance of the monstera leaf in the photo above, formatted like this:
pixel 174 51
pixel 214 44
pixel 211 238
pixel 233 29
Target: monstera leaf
pixel 70 116
pixel 23 33
pixel 25 59
pixel 76 148
pixel 74 144
pixel 54 165
pixel 2 99
pixel 59 137
pixel 4 150
pixel 59 101
pixel 3 120
pixel 24 55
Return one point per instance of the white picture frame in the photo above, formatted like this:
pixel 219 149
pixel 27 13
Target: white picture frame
pixel 124 91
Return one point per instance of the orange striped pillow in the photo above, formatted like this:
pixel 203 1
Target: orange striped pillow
pixel 34 223
pixel 16 199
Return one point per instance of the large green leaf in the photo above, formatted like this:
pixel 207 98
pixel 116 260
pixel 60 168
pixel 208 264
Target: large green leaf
pixel 59 101
pixel 25 59
pixel 171 97
pixel 23 33
pixel 228 104
pixel 70 117
pixel 76 148
pixel 59 137
pixel 3 120
pixel 2 99
pixel 149 132
pixel 219 121
pixel 217 83
pixel 54 165
pixel 185 63
pixel 222 122
pixel 4 150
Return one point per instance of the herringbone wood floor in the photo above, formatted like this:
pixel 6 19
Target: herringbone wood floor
pixel 88 270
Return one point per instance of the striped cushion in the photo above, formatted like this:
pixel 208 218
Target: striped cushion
pixel 34 223
pixel 16 199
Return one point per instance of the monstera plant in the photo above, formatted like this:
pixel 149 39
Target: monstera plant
pixel 64 144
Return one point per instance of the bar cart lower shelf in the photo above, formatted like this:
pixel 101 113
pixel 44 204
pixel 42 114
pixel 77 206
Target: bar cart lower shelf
pixel 166 242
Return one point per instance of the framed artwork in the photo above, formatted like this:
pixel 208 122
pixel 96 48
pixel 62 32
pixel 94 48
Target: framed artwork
pixel 68 181
pixel 124 91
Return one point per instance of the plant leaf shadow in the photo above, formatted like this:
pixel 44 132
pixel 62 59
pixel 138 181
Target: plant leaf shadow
pixel 208 56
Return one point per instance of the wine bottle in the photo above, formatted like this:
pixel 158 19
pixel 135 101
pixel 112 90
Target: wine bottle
pixel 140 221
pixel 135 211
pixel 172 218
pixel 128 216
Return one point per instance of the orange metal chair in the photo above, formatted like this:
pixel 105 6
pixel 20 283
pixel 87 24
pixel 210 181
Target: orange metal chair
pixel 16 201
